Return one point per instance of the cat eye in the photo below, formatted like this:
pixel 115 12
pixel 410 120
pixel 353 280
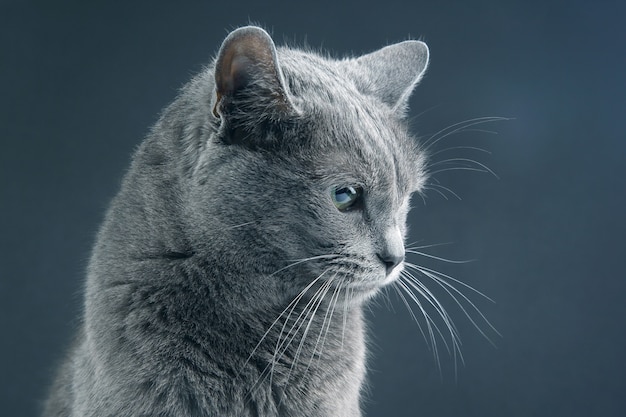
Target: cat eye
pixel 346 198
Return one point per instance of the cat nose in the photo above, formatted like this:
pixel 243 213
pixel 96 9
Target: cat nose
pixel 391 260
pixel 392 252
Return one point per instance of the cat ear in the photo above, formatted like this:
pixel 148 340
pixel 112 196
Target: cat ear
pixel 391 73
pixel 249 85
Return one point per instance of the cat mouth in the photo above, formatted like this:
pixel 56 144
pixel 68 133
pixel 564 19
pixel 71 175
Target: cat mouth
pixel 372 284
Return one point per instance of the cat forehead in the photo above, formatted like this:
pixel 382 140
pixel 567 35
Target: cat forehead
pixel 319 80
pixel 354 135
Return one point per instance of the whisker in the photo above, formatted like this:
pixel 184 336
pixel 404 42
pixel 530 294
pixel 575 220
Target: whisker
pixel 286 342
pixel 300 261
pixel 423 112
pixel 452 148
pixel 429 187
pixel 438 278
pixel 423 196
pixel 326 287
pixel 441 274
pixel 432 300
pixel 452 261
pixel 239 225
pixel 325 324
pixel 445 284
pixel 387 299
pixel 347 293
pixel 429 322
pixel 433 245
pixel 406 303
pixel 464 130
pixel 457 169
pixel 467 160
pixel 291 305
pixel 457 127
pixel 334 305
pixel 436 187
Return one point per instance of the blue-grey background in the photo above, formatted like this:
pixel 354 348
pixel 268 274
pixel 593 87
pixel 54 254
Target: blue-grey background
pixel 81 82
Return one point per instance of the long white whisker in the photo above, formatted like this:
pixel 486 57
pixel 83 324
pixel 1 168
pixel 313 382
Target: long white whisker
pixel 238 225
pixel 436 276
pixel 291 305
pixel 441 274
pixel 325 324
pixel 345 315
pixel 454 334
pixel 408 285
pixel 456 169
pixel 410 250
pixel 300 261
pixel 445 284
pixel 432 300
pixel 430 187
pixel 436 188
pixel 326 287
pixel 284 343
pixel 468 129
pixel 333 306
pixel 452 148
pixel 281 347
pixel 429 322
pixel 467 160
pixel 423 112
pixel 457 127
pixel 406 303
pixel 433 245
pixel 387 298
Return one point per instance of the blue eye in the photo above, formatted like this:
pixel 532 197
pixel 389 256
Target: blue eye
pixel 346 198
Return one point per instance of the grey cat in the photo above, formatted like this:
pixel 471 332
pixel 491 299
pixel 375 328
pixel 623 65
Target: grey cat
pixel 265 207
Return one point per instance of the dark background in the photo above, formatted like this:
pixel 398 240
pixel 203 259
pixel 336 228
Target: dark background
pixel 81 82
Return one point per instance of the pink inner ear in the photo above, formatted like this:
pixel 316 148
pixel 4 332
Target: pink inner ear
pixel 244 52
pixel 247 64
pixel 239 72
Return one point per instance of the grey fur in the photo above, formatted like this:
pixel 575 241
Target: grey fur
pixel 226 216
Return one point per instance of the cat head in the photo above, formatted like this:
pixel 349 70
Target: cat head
pixel 305 170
